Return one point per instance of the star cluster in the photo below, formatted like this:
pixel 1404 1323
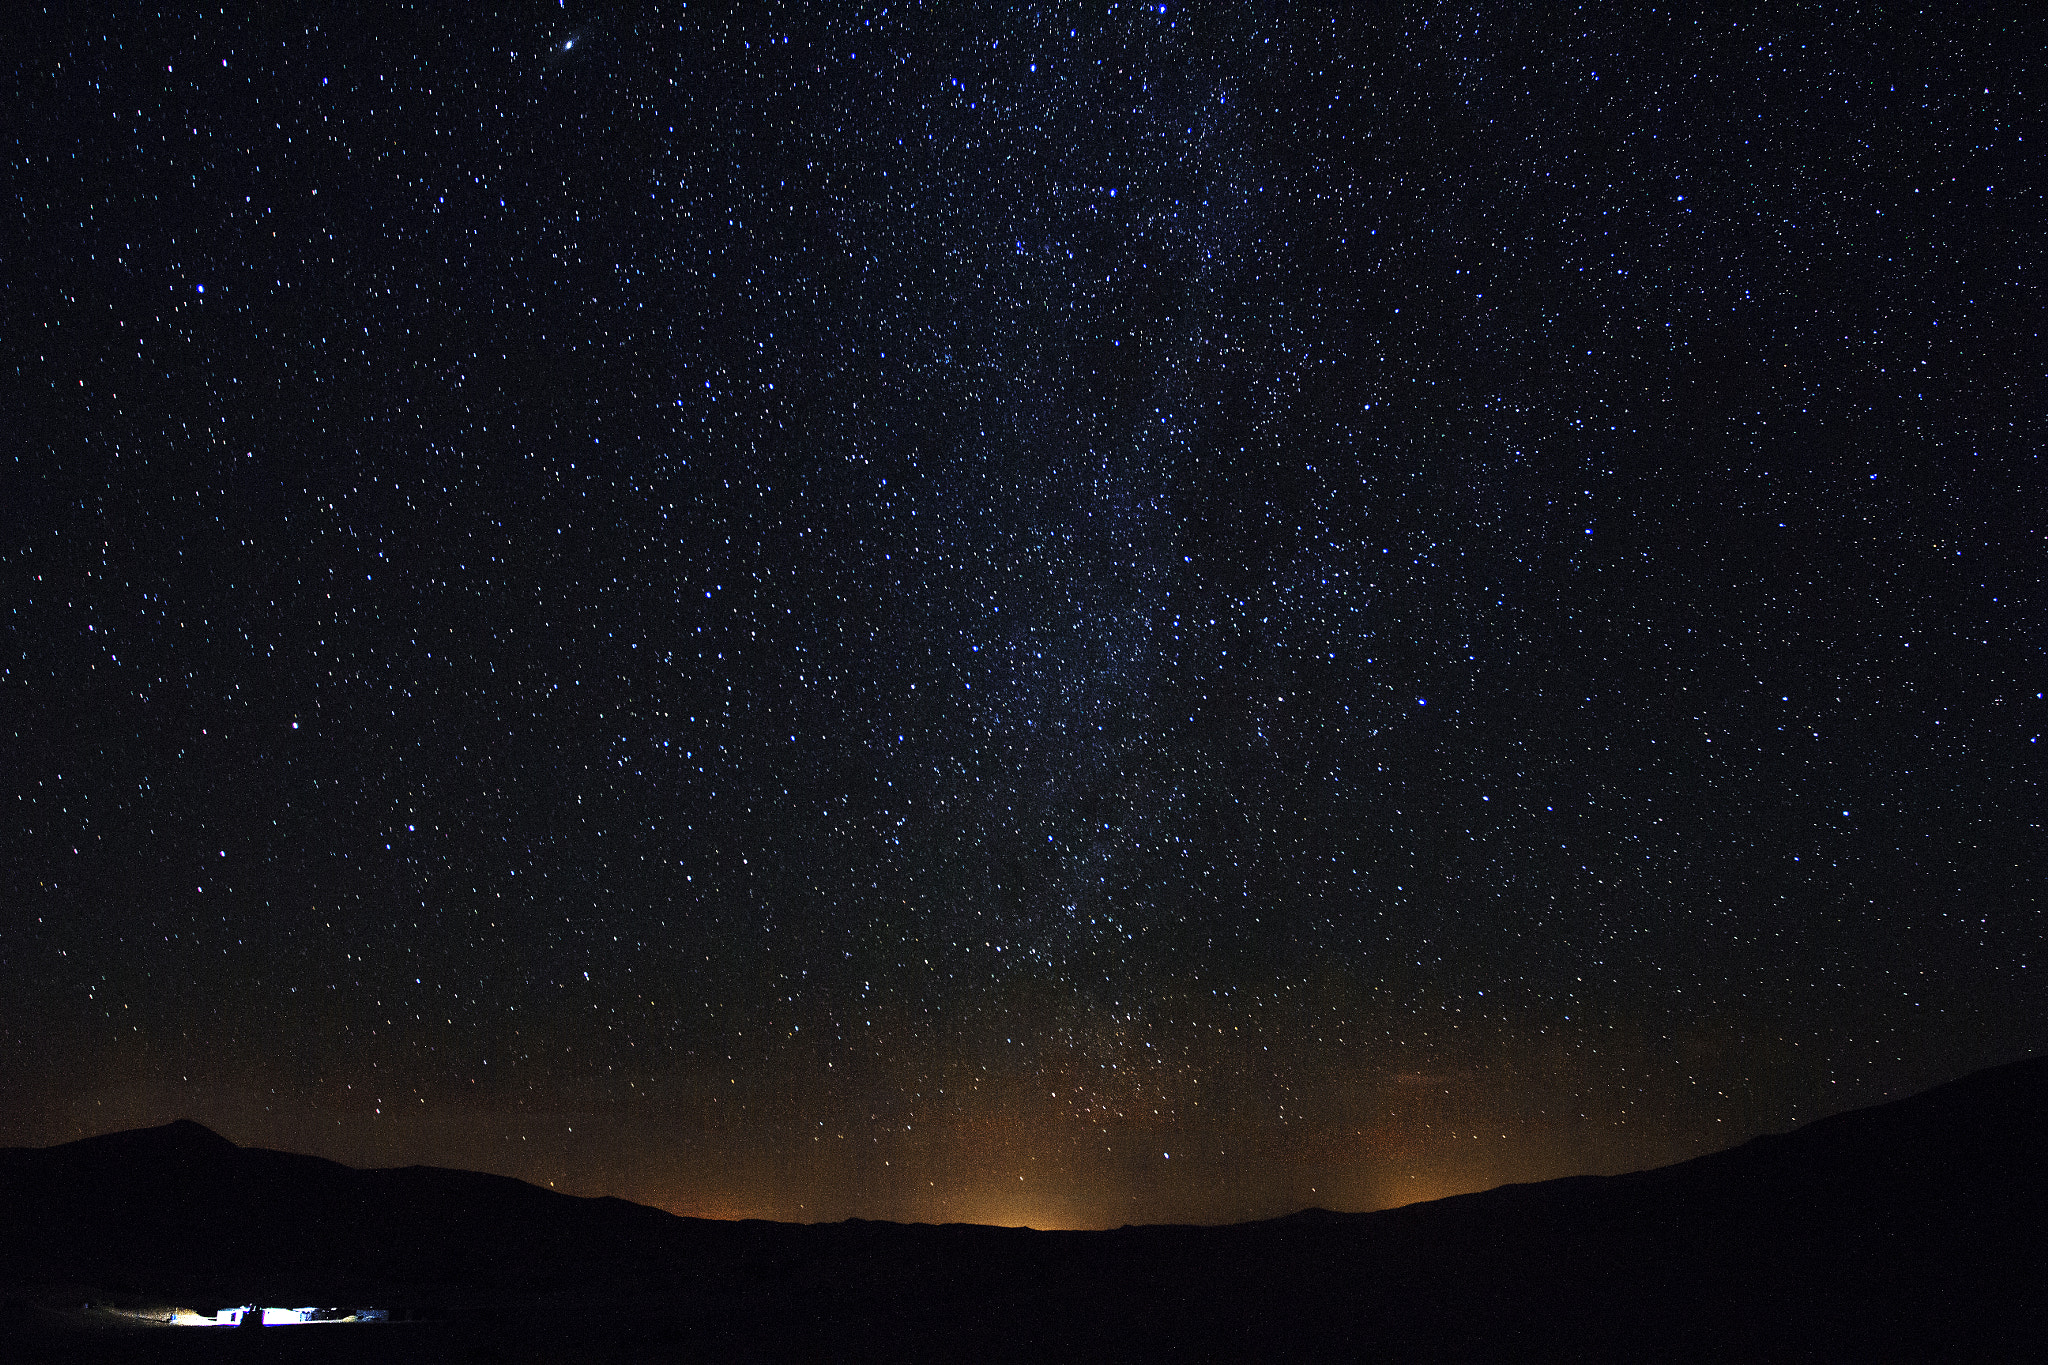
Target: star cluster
pixel 1059 614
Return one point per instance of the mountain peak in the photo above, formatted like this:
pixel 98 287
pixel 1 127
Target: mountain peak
pixel 185 1137
pixel 190 1132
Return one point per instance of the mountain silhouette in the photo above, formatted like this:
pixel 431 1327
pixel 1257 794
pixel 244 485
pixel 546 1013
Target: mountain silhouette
pixel 1912 1230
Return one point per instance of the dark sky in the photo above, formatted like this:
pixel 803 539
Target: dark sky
pixel 1062 614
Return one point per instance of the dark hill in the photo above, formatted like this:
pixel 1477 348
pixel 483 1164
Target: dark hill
pixel 1914 1230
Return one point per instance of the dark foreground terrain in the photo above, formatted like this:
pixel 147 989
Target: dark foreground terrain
pixel 1910 1231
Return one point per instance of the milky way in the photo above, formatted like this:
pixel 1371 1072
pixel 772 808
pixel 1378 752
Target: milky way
pixel 1062 615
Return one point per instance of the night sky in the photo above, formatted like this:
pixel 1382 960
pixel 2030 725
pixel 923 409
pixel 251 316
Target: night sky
pixel 1056 614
